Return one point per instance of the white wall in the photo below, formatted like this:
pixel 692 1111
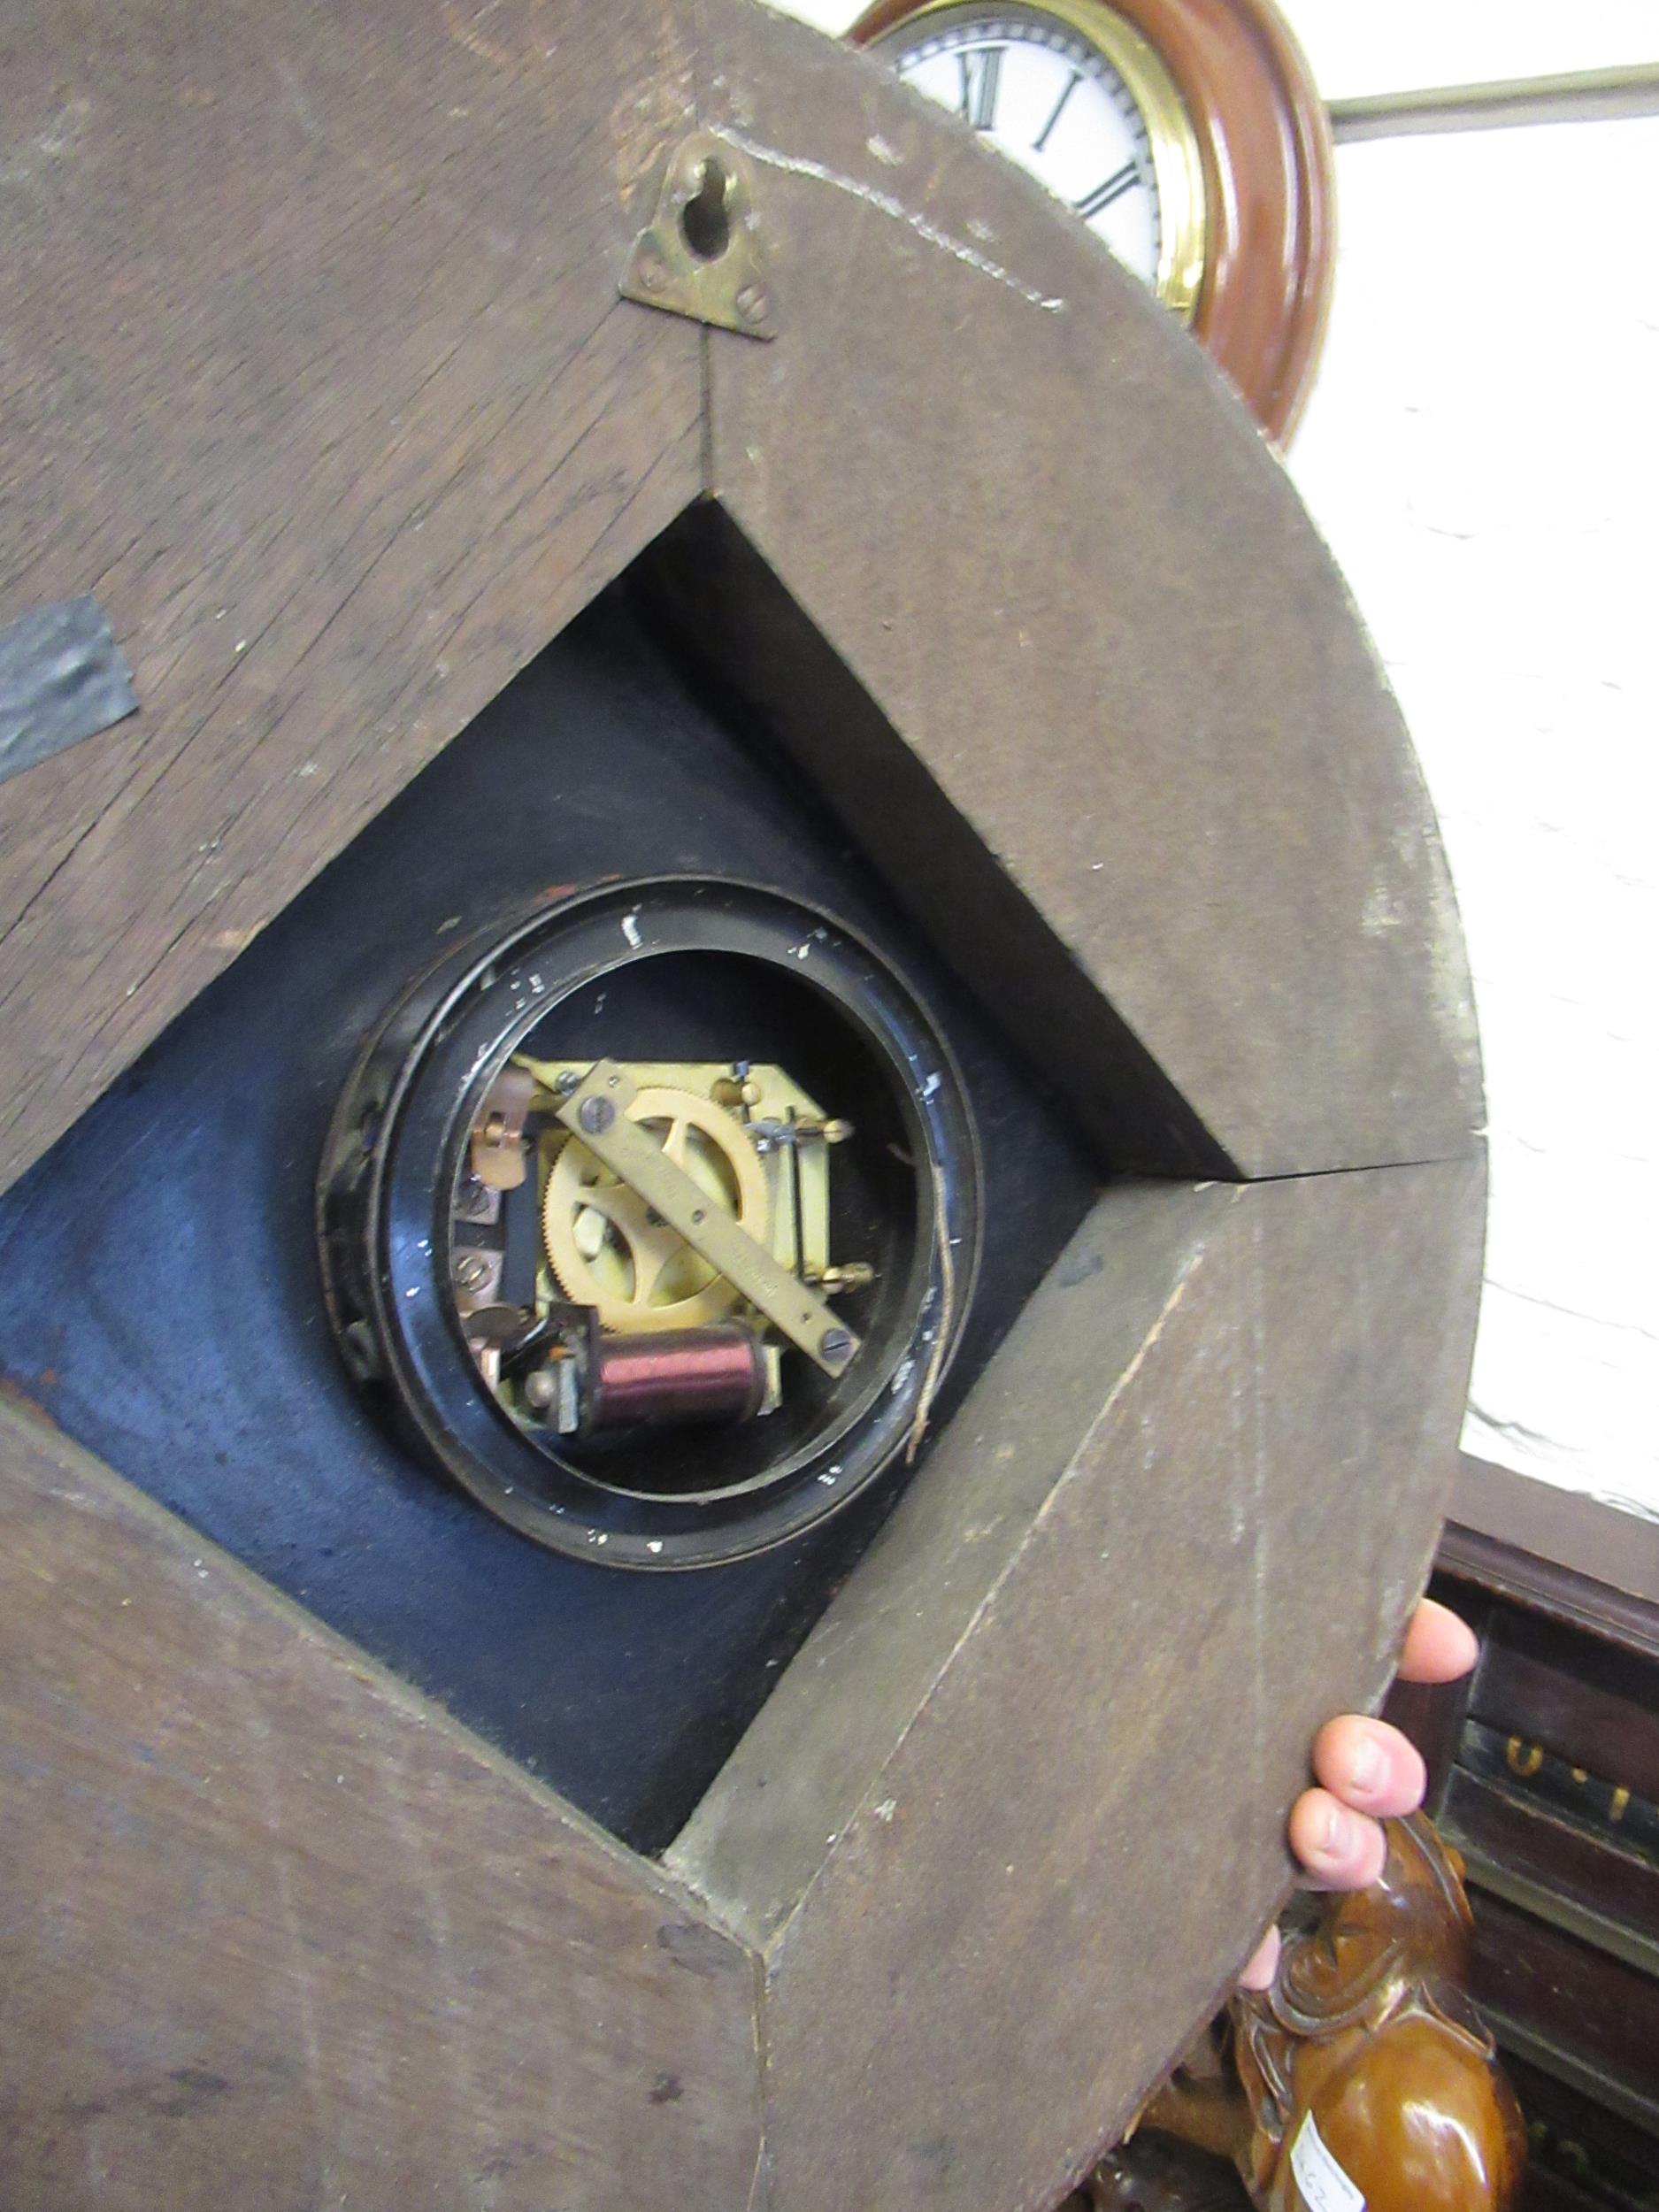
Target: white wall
pixel 1481 452
pixel 1362 46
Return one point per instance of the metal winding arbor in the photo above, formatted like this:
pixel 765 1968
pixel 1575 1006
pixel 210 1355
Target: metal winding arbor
pixel 321 381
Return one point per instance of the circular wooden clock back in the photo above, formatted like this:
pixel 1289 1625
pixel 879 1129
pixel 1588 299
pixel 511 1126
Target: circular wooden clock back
pixel 1263 248
pixel 326 385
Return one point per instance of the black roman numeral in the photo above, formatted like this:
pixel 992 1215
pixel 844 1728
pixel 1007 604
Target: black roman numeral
pixel 1124 180
pixel 980 69
pixel 1072 84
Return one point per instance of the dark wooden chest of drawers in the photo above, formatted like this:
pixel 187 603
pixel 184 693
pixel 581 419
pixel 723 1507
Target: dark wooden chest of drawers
pixel 1544 1773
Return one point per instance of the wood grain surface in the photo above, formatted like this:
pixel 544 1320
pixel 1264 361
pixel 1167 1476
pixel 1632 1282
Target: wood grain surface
pixel 276 1932
pixel 316 374
pixel 1015 1816
pixel 1012 498
pixel 315 371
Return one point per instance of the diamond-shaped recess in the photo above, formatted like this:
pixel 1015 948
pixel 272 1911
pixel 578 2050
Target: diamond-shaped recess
pixel 167 1307
pixel 998 566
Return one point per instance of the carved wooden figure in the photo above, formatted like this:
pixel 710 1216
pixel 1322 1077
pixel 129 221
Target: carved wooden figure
pixel 1363 2076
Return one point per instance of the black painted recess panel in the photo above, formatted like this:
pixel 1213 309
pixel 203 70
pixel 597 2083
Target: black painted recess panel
pixel 163 1301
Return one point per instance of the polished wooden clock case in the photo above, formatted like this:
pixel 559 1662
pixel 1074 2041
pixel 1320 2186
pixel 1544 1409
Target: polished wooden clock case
pixel 1237 151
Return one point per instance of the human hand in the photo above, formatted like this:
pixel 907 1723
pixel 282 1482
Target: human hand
pixel 1366 1772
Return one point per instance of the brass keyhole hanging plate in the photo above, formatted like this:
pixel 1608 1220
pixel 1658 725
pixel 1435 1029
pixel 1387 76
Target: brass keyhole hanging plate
pixel 701 254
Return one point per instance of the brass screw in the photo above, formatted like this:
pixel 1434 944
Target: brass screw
pixel 751 303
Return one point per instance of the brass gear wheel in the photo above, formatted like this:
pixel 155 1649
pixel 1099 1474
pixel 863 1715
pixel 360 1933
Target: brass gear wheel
pixel 607 1250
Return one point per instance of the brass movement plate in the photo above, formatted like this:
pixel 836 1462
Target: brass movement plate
pixel 597 1113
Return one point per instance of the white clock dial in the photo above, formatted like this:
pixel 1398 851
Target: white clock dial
pixel 1042 95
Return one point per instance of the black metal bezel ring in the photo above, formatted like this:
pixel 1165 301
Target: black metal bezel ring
pixel 390 1162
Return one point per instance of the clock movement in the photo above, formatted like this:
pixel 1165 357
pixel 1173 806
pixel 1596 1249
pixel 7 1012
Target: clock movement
pixel 1188 134
pixel 742 1182
pixel 586 1213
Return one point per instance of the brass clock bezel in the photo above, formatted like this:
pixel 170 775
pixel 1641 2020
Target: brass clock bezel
pixel 1266 170
pixel 1178 165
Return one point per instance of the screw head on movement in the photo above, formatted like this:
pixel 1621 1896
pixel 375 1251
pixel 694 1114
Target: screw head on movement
pixel 595 1115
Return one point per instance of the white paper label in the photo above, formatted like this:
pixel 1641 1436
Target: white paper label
pixel 1325 2188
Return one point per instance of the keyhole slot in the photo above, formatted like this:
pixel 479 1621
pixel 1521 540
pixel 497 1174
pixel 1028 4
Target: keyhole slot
pixel 704 223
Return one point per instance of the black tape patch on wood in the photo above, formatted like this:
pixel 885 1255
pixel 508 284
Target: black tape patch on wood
pixel 62 678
